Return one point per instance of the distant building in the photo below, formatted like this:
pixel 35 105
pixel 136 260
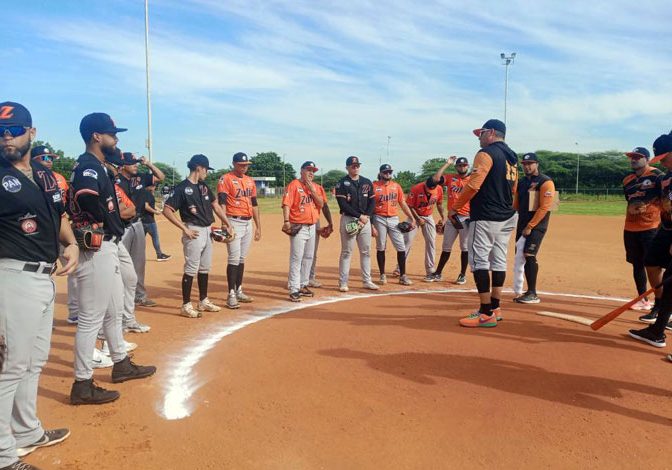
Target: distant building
pixel 264 185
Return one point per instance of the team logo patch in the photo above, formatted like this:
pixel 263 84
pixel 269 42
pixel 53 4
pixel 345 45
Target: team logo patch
pixel 646 183
pixel 29 226
pixel 110 206
pixel 193 210
pixel 188 191
pixel 56 197
pixel 11 184
pixel 90 173
pixel 300 190
pixel 346 183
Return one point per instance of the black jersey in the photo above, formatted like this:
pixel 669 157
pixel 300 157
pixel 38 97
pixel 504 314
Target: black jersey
pixel 30 214
pixel 193 202
pixel 665 188
pixel 494 200
pixel 91 178
pixel 540 184
pixel 355 197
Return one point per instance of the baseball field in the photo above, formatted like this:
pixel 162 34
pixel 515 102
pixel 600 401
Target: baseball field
pixel 376 380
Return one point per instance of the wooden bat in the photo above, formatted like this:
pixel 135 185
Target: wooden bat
pixel 600 322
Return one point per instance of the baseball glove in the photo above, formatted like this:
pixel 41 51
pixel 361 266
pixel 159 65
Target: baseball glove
pixel 326 231
pixel 353 228
pixel 440 227
pixel 89 237
pixel 292 230
pixel 405 227
pixel 455 222
pixel 221 235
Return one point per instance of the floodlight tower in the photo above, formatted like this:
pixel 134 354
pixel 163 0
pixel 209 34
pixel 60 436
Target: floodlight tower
pixel 506 61
pixel 149 98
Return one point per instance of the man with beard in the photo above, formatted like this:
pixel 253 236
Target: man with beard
pixel 134 233
pixel 455 183
pixel 31 226
pixel 93 201
pixel 388 198
pixel 532 226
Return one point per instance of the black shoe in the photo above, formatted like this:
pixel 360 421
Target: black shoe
pixel 49 438
pixel 649 317
pixel 18 465
pixel 305 292
pixel 163 257
pixel 86 392
pixel 126 370
pixel 648 337
pixel 295 296
pixel 527 298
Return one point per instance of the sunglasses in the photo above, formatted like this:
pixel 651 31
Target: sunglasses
pixel 14 131
pixel 356 165
pixel 387 172
pixel 47 158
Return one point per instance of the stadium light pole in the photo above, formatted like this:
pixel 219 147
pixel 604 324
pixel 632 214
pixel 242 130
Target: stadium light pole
pixel 506 61
pixel 149 98
pixel 388 148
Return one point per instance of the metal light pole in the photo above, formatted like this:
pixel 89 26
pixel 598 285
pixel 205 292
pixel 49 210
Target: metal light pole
pixel 388 148
pixel 283 171
pixel 506 61
pixel 149 99
pixel 578 163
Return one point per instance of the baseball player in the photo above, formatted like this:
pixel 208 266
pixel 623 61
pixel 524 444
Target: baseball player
pixel 300 210
pixel 321 231
pixel 491 188
pixel 356 202
pixel 41 154
pixel 422 199
pixel 134 233
pixel 531 227
pixel 92 204
pixel 455 183
pixel 388 198
pixel 642 219
pixel 658 254
pixel 31 216
pixel 149 211
pixel 238 193
pixel 195 202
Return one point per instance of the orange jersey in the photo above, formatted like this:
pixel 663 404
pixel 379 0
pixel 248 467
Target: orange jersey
pixel 239 193
pixel 302 208
pixel 423 200
pixel 320 191
pixel 62 185
pixel 122 197
pixel 642 194
pixel 387 197
pixel 455 184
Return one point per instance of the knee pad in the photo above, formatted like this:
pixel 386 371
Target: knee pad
pixel 498 278
pixel 530 259
pixel 482 279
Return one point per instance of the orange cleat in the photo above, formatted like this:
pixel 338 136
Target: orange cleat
pixel 498 313
pixel 479 320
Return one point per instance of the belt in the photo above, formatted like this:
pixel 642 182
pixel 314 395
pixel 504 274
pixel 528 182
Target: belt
pixel 40 268
pixel 112 238
pixel 386 216
pixel 239 217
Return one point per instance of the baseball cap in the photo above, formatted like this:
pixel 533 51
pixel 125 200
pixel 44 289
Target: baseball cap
pixel 639 152
pixel 148 180
pixel 494 124
pixel 117 159
pixel 461 161
pixel 40 150
pixel 385 167
pixel 352 161
pixel 241 157
pixel 309 165
pixel 129 158
pixel 530 157
pixel 661 147
pixel 100 123
pixel 14 114
pixel 199 160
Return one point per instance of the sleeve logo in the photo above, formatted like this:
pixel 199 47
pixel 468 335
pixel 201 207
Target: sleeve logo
pixel 90 173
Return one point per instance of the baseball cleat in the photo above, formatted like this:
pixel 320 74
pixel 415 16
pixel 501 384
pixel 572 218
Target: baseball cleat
pixel 479 320
pixel 649 317
pixel 642 306
pixel 49 438
pixel 243 297
pixel 669 326
pixel 100 360
pixel 295 296
pixel 163 257
pixel 136 327
pixel 669 357
pixel 206 305
pixel 305 292
pixel 461 279
pixel 146 302
pixel 128 347
pixel 314 283
pixel 370 285
pixel 645 335
pixel 232 300
pixel 429 278
pixel 498 313
pixel 86 392
pixel 382 280
pixel 72 320
pixel 189 311
pixel 405 281
pixel 527 298
pixel 396 273
pixel 127 370
pixel 343 287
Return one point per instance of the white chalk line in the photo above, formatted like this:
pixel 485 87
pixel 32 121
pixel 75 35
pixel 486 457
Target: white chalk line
pixel 182 382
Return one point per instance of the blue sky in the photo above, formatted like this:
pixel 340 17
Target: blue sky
pixel 322 80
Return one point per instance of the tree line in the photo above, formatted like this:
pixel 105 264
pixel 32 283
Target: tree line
pixel 597 170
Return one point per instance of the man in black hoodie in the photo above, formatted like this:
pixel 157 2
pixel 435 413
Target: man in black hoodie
pixel 492 219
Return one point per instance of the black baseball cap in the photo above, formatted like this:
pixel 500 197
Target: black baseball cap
pixel 461 161
pixel 494 124
pixel 14 114
pixel 385 167
pixel 117 159
pixel 41 150
pixel 352 161
pixel 661 147
pixel 639 152
pixel 100 123
pixel 530 157
pixel 129 158
pixel 148 180
pixel 199 160
pixel 241 157
pixel 309 165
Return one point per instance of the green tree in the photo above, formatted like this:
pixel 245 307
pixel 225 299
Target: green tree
pixel 406 179
pixel 270 164
pixel 330 178
pixel 429 167
pixel 63 164
pixel 173 176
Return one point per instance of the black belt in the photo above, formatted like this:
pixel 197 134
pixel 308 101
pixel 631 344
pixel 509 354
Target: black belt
pixel 112 238
pixel 239 217
pixel 48 268
pixel 386 216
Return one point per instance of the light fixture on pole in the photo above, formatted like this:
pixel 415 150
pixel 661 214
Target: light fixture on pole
pixel 506 61
pixel 149 99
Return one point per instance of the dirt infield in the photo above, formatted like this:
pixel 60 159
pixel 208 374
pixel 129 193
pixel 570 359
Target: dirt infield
pixel 384 381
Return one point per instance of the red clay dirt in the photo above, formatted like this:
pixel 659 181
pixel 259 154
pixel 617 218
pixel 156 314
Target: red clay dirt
pixel 380 382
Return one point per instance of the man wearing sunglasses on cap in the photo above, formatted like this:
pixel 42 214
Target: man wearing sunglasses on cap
pixel 31 227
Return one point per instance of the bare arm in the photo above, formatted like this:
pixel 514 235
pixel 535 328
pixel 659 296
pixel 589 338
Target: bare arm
pixel 158 174
pixel 221 214
pixel 71 251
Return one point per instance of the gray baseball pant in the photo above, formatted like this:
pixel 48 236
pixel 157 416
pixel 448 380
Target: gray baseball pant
pixel 450 234
pixel 388 226
pixel 197 252
pixel 301 251
pixel 489 243
pixel 363 239
pixel 73 309
pixel 134 241
pixel 26 317
pixel 519 267
pixel 100 296
pixel 240 245
pixel 130 279
pixel 429 234
pixel 317 245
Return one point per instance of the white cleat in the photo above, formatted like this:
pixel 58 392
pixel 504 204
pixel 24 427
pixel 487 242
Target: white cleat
pixel 100 360
pixel 206 306
pixel 127 346
pixel 405 281
pixel 370 285
pixel 343 287
pixel 189 311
